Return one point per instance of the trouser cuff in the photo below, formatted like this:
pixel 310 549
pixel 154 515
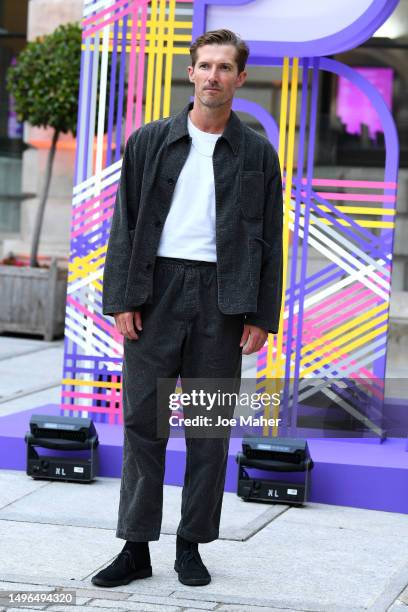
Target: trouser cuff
pixel 137 536
pixel 194 537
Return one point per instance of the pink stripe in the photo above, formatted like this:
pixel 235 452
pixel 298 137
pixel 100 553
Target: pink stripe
pixel 352 183
pixel 356 197
pixel 100 14
pixel 104 194
pixel 132 66
pixel 97 396
pixel 111 329
pixel 346 315
pixel 310 326
pixel 346 298
pixel 103 24
pixel 334 298
pixel 141 68
pixel 97 319
pixel 317 324
pixel 315 333
pixel 90 225
pixel 97 409
pixel 82 218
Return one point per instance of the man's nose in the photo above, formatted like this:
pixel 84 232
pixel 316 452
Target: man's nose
pixel 213 74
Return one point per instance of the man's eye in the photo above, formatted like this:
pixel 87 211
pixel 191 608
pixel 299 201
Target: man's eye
pixel 203 65
pixel 226 67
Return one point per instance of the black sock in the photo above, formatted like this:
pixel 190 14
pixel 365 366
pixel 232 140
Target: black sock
pixel 183 544
pixel 136 547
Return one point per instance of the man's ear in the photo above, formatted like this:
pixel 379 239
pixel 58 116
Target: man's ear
pixel 241 78
pixel 190 70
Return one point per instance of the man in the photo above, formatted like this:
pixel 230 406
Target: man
pixel 193 279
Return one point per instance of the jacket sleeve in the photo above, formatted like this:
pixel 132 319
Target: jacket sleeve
pixel 124 219
pixel 270 287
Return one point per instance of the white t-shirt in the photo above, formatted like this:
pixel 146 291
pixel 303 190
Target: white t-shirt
pixel 189 230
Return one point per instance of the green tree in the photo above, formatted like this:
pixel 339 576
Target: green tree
pixel 45 85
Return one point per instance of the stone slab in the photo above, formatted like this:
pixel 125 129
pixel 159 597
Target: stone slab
pixel 15 485
pixel 344 517
pixel 51 502
pixel 174 601
pixel 126 606
pixel 68 552
pixel 29 371
pixel 14 347
pixel 50 395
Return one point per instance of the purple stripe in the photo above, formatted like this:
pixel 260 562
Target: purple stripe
pixel 95 358
pixel 371 238
pixel 291 303
pixel 92 370
pixel 112 93
pixel 119 114
pixel 87 140
pixel 309 176
pixel 80 102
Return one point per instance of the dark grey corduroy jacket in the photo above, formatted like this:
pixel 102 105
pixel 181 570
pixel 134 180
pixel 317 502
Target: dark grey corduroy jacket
pixel 248 194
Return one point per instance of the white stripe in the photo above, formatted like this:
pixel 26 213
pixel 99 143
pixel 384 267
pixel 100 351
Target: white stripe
pixel 109 342
pixel 352 248
pixel 113 168
pixel 90 192
pixel 340 251
pixel 354 274
pixel 84 282
pixel 102 106
pixel 91 7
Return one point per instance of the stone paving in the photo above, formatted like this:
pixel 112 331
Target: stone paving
pixel 55 536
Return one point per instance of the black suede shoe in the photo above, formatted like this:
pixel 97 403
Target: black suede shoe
pixel 123 570
pixel 188 564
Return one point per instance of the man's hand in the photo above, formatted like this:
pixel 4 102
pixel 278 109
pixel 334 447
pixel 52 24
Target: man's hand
pixel 128 322
pixel 257 337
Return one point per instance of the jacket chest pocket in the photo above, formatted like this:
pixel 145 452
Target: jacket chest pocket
pixel 251 193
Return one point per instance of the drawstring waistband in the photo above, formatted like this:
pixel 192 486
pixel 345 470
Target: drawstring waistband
pixel 185 262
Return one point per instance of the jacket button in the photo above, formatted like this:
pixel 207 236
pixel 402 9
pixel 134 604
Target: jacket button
pixel 157 223
pixel 148 266
pixel 170 181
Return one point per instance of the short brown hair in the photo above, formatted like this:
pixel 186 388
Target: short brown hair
pixel 222 37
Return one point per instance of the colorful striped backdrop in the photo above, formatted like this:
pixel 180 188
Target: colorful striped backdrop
pixel 334 321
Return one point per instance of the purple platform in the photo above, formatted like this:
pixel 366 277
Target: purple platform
pixel 347 472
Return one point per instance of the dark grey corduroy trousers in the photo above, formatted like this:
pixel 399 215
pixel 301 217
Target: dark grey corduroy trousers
pixel 184 333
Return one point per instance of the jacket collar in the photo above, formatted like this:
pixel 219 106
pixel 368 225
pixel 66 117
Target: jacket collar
pixel 231 133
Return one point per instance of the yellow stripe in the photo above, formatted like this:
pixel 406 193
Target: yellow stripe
pixel 180 24
pixel 91 383
pixel 360 210
pixel 150 67
pixel 270 382
pixel 176 50
pixel 282 145
pixel 85 270
pixel 85 262
pixel 348 348
pixel 383 224
pixel 169 60
pixel 177 37
pixel 160 50
pixel 283 112
pixel 338 331
pixel 275 368
pixel 90 256
pixel 340 343
pixel 287 201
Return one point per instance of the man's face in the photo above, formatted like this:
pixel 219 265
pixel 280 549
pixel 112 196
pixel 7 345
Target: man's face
pixel 215 75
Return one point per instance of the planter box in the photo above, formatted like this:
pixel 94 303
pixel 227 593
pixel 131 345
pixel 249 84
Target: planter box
pixel 32 300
